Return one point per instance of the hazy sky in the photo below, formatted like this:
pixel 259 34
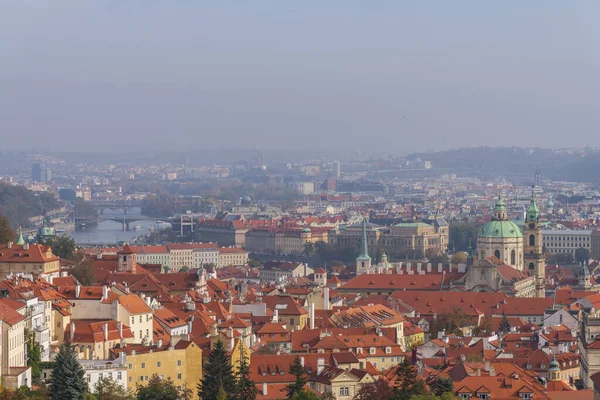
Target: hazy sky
pixel 184 74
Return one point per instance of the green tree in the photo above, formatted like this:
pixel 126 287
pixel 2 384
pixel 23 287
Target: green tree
pixel 296 369
pixel 306 395
pixel 109 389
pixel 451 322
pixel 217 374
pixel 68 382
pixel 245 386
pixel 84 209
pixel 83 270
pixel 158 389
pixel 254 263
pixel 582 255
pixel 7 233
pixel 407 383
pixel 185 268
pixel 459 258
pixel 504 324
pixel 221 395
pixel 436 259
pixel 442 385
pixel 460 235
pixel 379 389
pixel 309 248
pixel 34 356
pixel 62 246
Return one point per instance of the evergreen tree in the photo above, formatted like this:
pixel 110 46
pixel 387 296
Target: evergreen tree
pixel 245 386
pixel 408 384
pixel 221 395
pixel 158 389
pixel 68 382
pixel 504 324
pixel 442 385
pixel 217 374
pixel 297 369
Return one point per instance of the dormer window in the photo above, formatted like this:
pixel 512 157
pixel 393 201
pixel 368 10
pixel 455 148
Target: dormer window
pixel 388 350
pixel 372 350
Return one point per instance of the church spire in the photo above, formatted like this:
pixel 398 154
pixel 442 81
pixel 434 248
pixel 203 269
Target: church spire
pixel 20 239
pixel 364 248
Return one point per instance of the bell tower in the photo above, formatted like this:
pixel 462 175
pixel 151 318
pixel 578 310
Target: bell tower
pixel 533 254
pixel 363 261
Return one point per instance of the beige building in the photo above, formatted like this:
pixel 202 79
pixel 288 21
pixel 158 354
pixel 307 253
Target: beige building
pixel 13 338
pixel 135 313
pixel 229 256
pixel 397 241
pixel 566 241
pixel 182 255
pixel 34 259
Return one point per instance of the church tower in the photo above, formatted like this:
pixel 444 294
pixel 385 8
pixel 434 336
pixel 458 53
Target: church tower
pixel 363 261
pixel 534 260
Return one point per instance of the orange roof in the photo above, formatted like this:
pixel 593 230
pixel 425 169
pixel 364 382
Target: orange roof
pixel 134 304
pixel 35 253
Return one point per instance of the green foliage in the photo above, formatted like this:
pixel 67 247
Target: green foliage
pixel 158 389
pixel 436 259
pixel 185 268
pixel 309 248
pixel 431 396
pixel 296 387
pixel 221 395
pixel 379 389
pixel 559 259
pixel 109 389
pixel 245 386
pixel 582 255
pixel 254 263
pixel 449 322
pixel 68 382
pixel 83 270
pixel 34 356
pixel 7 233
pixel 442 385
pixel 460 235
pixel 159 205
pixel 19 204
pixel 504 324
pixel 83 209
pixel 408 383
pixel 305 395
pixel 62 246
pixel 217 374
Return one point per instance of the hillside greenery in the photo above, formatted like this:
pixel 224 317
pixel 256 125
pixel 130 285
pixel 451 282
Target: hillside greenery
pixel 19 204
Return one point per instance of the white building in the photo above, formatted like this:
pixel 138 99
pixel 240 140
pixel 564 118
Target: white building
pixel 154 255
pixel 566 241
pixel 205 253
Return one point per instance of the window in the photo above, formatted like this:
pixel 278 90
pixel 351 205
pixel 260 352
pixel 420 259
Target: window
pixel 143 365
pixel 344 391
pixel 178 376
pixel 531 240
pixel 130 379
pixel 513 257
pixel 141 378
pixel 119 376
pixel 158 364
pixel 130 366
pixel 531 266
pixel 497 254
pixel 179 363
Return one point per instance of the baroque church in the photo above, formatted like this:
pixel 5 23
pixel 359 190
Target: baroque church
pixel 507 259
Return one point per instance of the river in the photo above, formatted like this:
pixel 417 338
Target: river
pixel 111 232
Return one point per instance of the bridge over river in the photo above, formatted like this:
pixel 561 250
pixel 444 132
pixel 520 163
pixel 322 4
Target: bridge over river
pixel 123 219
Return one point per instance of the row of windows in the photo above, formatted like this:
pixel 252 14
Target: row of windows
pixel 158 364
pixel 101 375
pixel 567 238
pixel 145 378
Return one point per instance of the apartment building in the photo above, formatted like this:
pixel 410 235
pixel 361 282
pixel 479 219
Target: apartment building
pixel 14 364
pixel 229 256
pixel 182 362
pixel 154 255
pixel 182 255
pixel 205 253
pixel 566 241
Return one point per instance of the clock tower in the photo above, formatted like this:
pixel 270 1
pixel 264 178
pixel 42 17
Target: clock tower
pixel 533 255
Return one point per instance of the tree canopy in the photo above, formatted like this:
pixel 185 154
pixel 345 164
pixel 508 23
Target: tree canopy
pixel 68 377
pixel 158 389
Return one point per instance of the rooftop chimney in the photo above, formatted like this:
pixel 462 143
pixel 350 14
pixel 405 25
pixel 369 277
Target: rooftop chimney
pixel 320 365
pixel 264 389
pixel 105 329
pixel 159 344
pixel 120 328
pixel 311 312
pixel 77 290
pixel 72 331
pixel 104 292
pixel 326 298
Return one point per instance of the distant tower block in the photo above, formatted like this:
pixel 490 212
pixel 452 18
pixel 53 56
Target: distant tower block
pixel 186 220
pixel 538 175
pixel 337 169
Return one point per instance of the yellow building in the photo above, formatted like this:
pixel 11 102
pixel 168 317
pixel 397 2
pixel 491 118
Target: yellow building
pixel 182 363
pixel 413 336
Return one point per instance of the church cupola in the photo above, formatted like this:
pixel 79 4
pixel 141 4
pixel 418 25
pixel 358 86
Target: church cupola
pixel 500 210
pixel 363 261
pixel 554 370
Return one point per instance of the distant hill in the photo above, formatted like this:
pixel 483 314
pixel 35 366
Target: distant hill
pixel 19 204
pixel 518 163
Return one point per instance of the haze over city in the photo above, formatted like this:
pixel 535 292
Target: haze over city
pixel 393 75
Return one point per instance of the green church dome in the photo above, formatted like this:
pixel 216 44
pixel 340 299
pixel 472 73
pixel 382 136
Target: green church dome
pixel 500 229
